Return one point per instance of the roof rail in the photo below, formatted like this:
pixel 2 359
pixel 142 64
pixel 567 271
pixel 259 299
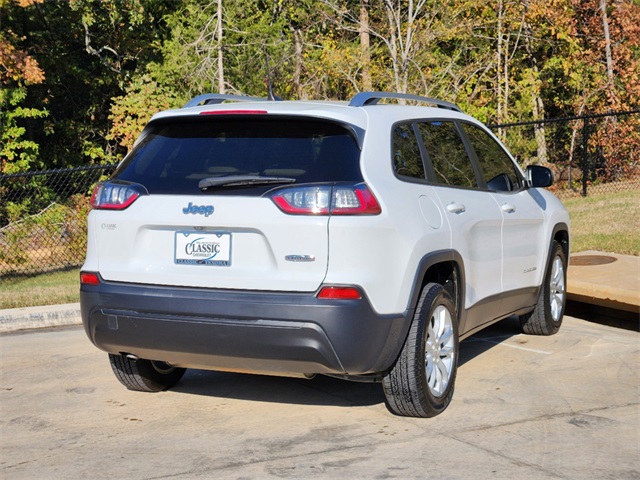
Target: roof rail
pixel 215 98
pixel 372 98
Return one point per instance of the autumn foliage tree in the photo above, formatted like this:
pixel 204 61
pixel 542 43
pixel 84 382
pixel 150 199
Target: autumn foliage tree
pixel 18 70
pixel 611 59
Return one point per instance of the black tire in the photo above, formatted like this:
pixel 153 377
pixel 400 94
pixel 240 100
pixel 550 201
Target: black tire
pixel 416 385
pixel 144 375
pixel 546 317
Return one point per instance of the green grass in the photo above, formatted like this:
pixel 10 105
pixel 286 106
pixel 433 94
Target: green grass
pixel 45 289
pixel 606 222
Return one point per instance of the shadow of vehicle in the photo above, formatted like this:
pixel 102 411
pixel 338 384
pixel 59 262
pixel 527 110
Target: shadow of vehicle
pixel 488 338
pixel 322 390
pixel 604 316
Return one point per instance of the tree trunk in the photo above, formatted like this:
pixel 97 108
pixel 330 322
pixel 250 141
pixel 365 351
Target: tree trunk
pixel 408 46
pixel 365 46
pixel 537 105
pixel 221 86
pixel 298 65
pixel 505 76
pixel 393 44
pixel 541 140
pixel 607 48
pixel 500 114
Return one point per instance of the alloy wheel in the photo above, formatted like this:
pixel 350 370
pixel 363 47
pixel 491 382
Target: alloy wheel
pixel 439 350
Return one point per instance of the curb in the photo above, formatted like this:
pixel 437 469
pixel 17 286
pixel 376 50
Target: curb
pixel 14 319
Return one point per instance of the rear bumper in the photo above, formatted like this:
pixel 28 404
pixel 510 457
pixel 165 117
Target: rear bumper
pixel 276 333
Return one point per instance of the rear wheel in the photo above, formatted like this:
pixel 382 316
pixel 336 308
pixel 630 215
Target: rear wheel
pixel 144 375
pixel 421 382
pixel 546 317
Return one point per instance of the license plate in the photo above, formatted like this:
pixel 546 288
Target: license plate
pixel 197 248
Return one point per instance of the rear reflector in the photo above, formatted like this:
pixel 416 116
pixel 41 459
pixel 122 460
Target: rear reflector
pixel 234 112
pixel 88 278
pixel 339 293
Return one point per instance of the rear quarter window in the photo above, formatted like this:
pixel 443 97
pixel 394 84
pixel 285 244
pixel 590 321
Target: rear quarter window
pixel 407 159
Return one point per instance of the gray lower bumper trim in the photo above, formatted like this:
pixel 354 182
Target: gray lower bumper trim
pixel 281 333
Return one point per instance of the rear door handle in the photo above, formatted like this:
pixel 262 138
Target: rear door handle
pixel 456 208
pixel 508 208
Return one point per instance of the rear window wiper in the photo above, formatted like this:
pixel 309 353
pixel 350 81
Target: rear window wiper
pixel 241 180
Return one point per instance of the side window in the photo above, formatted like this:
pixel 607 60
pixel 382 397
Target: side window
pixel 407 160
pixel 498 169
pixel 448 156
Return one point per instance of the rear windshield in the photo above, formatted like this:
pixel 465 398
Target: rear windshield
pixel 175 155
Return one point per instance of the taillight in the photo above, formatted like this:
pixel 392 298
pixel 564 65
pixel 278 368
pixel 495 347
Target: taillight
pixel 89 278
pixel 116 195
pixel 357 200
pixel 309 200
pixel 339 293
pixel 327 200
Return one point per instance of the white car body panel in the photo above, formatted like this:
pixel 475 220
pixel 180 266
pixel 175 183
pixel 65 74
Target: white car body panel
pixel 139 246
pixel 524 249
pixel 476 233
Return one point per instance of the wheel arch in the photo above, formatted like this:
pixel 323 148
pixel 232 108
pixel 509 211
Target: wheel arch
pixel 445 267
pixel 561 235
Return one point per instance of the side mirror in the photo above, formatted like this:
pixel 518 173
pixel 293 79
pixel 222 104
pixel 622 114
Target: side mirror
pixel 539 176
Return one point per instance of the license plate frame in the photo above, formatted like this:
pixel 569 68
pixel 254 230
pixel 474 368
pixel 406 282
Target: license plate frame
pixel 202 248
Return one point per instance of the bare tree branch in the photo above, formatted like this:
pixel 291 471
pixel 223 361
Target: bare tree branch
pixel 92 51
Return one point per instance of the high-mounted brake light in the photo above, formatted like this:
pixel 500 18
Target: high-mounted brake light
pixel 234 112
pixel 327 200
pixel 115 195
pixel 339 293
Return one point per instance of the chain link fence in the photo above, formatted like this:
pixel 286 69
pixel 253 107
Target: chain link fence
pixel 589 154
pixel 43 219
pixel 43 214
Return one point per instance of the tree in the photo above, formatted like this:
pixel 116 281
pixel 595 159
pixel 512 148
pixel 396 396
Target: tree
pixel 18 70
pixel 131 111
pixel 88 49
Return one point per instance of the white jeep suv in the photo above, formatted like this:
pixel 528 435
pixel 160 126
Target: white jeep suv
pixel 360 240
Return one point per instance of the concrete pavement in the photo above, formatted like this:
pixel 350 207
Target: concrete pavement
pixel 525 407
pixel 605 279
pixel 597 278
